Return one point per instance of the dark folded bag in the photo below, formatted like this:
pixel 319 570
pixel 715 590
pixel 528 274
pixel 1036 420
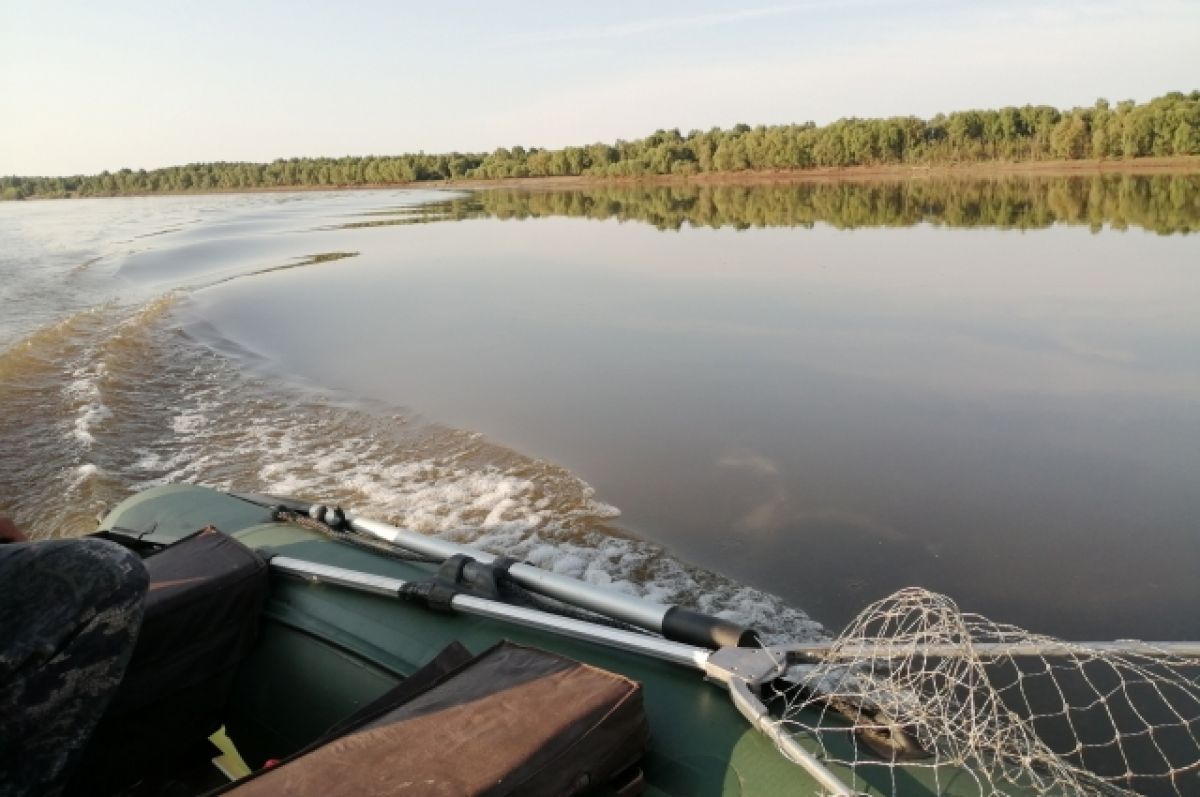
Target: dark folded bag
pixel 201 620
pixel 513 720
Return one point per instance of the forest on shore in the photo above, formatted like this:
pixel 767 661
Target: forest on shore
pixel 1167 126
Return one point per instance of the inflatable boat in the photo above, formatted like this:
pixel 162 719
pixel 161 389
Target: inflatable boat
pixel 330 654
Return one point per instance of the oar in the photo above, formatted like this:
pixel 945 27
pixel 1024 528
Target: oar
pixel 677 623
pixel 742 671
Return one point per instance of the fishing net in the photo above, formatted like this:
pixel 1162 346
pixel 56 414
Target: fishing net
pixel 916 691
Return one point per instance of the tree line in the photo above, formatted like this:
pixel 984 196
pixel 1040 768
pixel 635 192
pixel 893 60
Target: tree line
pixel 1165 126
pixel 1166 204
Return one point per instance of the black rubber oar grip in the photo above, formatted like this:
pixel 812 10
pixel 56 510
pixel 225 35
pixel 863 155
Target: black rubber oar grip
pixel 694 628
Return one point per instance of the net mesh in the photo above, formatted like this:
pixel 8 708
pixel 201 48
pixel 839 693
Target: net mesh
pixel 914 684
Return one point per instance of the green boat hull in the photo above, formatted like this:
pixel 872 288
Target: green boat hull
pixel 325 651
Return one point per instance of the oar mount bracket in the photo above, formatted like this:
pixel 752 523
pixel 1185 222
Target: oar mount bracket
pixel 752 666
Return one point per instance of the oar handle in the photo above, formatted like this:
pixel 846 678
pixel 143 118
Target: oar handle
pixel 673 622
pixel 696 628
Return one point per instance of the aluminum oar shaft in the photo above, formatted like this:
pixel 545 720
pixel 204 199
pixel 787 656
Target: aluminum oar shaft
pixel 674 622
pixel 675 652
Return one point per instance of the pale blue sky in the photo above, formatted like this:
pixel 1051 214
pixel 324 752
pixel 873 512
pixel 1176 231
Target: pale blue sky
pixel 90 86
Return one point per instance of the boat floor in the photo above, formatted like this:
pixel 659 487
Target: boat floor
pixel 192 776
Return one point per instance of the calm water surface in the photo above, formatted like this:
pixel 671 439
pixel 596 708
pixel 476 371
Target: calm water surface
pixel 822 393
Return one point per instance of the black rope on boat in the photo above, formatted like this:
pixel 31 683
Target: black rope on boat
pixel 512 592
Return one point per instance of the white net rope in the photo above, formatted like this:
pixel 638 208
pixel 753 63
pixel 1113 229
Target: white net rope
pixel 915 685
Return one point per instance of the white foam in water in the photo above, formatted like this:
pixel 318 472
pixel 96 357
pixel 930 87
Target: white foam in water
pixel 92 414
pixel 84 390
pixel 87 471
pixel 229 433
pixel 155 461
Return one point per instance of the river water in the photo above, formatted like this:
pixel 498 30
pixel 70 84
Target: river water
pixel 776 402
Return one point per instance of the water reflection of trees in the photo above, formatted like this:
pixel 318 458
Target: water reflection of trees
pixel 1163 204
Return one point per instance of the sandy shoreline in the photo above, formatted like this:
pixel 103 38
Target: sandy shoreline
pixel 882 173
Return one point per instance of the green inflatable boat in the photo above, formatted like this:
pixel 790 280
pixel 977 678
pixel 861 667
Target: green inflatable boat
pixel 354 609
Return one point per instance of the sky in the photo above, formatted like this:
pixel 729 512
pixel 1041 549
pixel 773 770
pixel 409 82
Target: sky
pixel 91 86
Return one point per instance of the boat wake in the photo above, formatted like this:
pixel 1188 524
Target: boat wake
pixel 114 400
